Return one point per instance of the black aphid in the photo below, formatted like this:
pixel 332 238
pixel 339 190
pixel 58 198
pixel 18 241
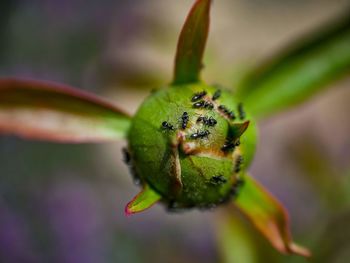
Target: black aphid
pixel 167 126
pixel 203 104
pixel 199 104
pixel 218 180
pixel 216 95
pixel 184 120
pixel 200 134
pixel 230 114
pixel 238 164
pixel 126 156
pixel 237 187
pixel 241 111
pixel 211 122
pixel 238 143
pixel 208 105
pixel 228 146
pixel 198 96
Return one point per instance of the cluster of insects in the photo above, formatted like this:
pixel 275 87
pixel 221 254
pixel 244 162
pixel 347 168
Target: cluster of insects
pixel 199 101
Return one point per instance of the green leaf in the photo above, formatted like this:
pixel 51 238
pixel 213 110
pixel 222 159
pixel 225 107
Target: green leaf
pixel 268 216
pixel 192 40
pixel 54 112
pixel 144 200
pixel 299 72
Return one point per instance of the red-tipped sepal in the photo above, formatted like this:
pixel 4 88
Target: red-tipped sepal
pixel 144 200
pixel 268 216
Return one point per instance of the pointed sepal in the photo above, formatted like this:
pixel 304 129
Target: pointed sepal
pixel 237 129
pixel 191 44
pixel 268 216
pixel 144 200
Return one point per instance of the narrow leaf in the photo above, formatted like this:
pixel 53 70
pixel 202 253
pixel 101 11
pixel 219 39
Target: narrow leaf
pixel 144 200
pixel 54 112
pixel 268 216
pixel 299 72
pixel 191 45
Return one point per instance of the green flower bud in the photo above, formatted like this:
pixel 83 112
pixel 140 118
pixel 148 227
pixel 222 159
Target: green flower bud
pixel 187 144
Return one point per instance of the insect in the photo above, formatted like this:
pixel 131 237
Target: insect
pixel 216 95
pixel 238 143
pixel 203 104
pixel 236 187
pixel 185 118
pixel 218 180
pixel 241 111
pixel 228 146
pixel 126 156
pixel 198 96
pixel 238 164
pixel 207 121
pixel 230 114
pixel 200 134
pixel 167 126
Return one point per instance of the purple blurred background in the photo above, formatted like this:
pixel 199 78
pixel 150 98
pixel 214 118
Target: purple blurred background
pixel 65 203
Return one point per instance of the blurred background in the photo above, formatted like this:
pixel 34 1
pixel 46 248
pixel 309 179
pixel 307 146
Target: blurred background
pixel 65 203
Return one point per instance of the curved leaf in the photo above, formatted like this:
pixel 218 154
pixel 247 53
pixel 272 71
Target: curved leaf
pixel 268 216
pixel 54 112
pixel 298 73
pixel 191 45
pixel 144 200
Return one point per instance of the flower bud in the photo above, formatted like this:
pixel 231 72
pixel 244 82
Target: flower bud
pixel 191 143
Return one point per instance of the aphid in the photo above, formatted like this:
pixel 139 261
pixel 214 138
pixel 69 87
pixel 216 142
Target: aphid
pixel 167 126
pixel 239 182
pixel 230 114
pixel 185 118
pixel 238 164
pixel 218 180
pixel 200 134
pixel 203 104
pixel 216 95
pixel 237 187
pixel 203 134
pixel 241 111
pixel 199 104
pixel 208 105
pixel 126 156
pixel 201 118
pixel 127 161
pixel 207 121
pixel 238 143
pixel 228 146
pixel 198 96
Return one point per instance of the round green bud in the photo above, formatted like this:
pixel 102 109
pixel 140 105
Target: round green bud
pixel 191 143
